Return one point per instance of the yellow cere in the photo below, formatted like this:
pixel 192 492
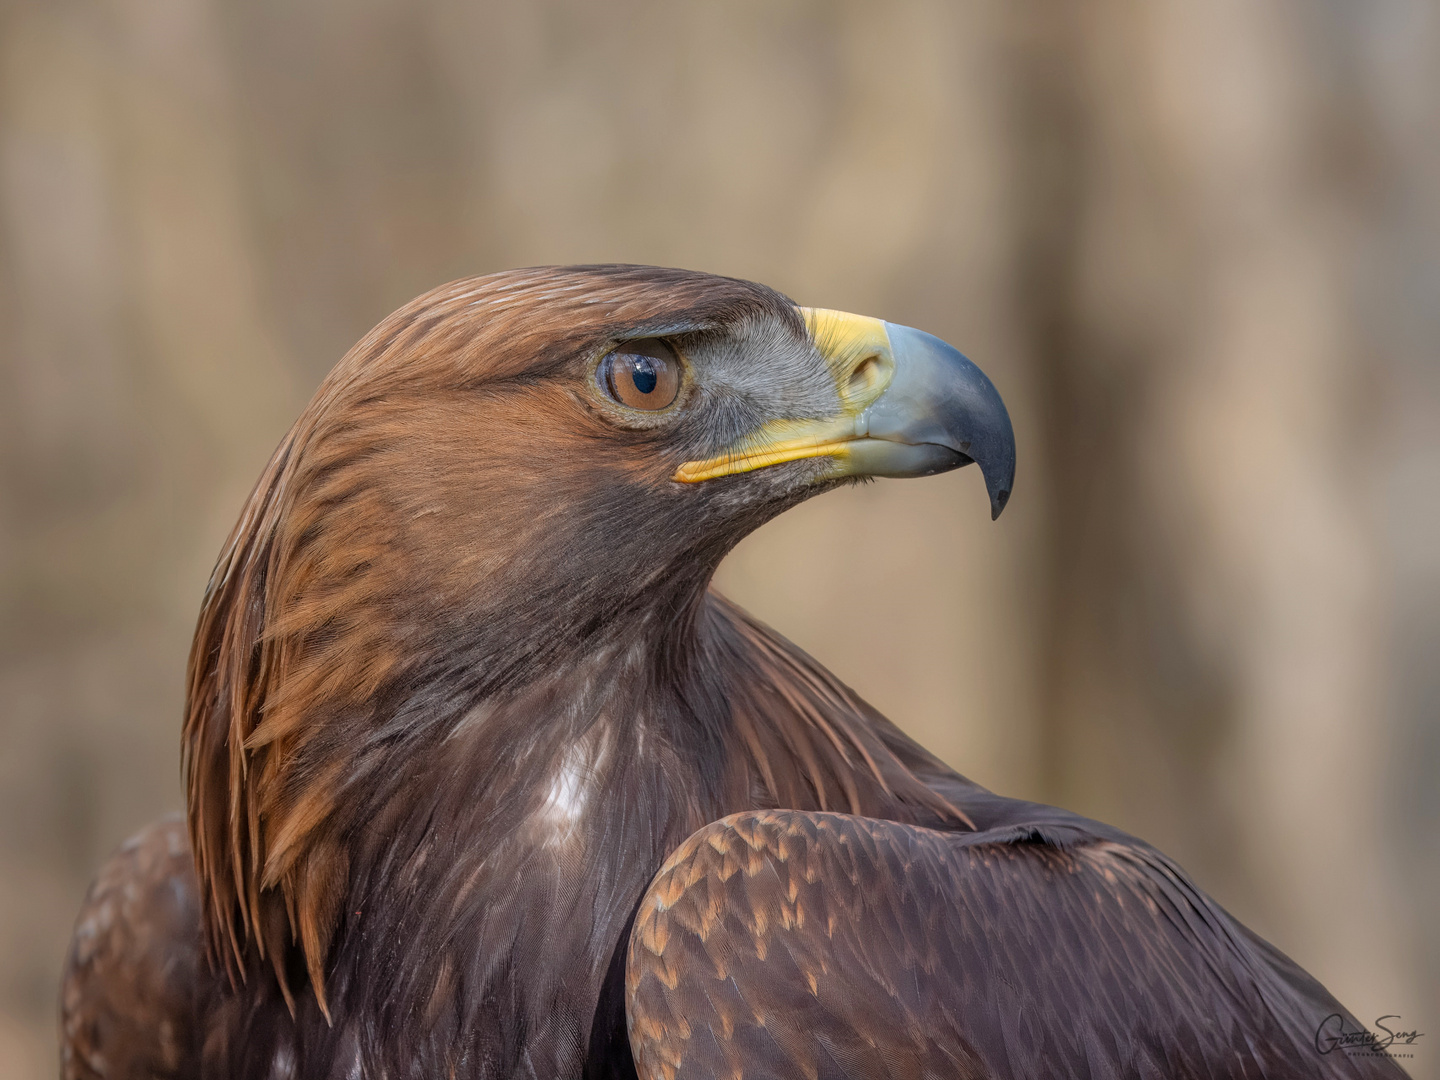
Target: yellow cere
pixel 857 350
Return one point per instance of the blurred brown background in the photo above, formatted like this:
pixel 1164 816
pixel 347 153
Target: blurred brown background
pixel 1196 245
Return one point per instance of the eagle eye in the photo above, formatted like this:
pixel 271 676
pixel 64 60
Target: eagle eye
pixel 641 374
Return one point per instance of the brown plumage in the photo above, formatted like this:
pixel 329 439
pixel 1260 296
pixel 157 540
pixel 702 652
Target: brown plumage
pixel 459 689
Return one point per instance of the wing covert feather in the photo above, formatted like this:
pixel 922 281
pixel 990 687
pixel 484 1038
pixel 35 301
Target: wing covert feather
pixel 131 995
pixel 825 945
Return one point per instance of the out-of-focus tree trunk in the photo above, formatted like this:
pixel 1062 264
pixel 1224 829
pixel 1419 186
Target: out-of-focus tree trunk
pixel 1206 181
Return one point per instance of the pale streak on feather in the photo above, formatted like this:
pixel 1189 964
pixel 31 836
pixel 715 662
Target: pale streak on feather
pixel 572 785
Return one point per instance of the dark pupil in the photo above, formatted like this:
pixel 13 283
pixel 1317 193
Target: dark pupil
pixel 644 374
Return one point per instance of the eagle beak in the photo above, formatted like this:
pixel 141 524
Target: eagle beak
pixel 910 405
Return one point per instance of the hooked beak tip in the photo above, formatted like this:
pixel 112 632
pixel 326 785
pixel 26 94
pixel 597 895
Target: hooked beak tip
pixel 997 503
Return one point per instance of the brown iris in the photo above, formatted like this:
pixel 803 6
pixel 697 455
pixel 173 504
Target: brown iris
pixel 641 374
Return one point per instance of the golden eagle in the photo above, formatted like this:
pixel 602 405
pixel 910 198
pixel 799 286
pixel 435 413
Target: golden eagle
pixel 483 781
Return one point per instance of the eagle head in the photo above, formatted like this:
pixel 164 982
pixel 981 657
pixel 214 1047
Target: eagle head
pixel 508 474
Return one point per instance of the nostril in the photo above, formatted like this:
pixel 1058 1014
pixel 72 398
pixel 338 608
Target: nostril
pixel 865 375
